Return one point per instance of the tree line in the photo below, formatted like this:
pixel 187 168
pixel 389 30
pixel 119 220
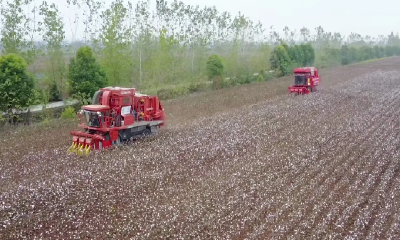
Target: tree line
pixel 162 47
pixel 284 58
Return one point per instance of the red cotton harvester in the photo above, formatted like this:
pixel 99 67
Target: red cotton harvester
pixel 115 116
pixel 305 80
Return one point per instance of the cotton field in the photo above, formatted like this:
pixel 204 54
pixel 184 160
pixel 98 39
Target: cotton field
pixel 251 162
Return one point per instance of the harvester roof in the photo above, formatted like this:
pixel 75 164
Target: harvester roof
pixel 304 70
pixel 120 90
pixel 96 107
pixel 117 88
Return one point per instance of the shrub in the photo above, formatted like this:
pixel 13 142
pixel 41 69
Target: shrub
pixel 215 67
pixel 268 76
pixel 55 94
pixel 218 82
pixel 68 113
pixel 180 91
pixel 165 94
pixel 196 87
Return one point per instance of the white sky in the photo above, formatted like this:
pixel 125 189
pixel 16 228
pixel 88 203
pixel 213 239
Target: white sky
pixel 345 16
pixel 366 17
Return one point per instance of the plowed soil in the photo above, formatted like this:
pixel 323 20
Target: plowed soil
pixel 249 162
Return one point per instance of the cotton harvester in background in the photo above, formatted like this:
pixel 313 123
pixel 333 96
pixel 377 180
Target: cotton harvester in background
pixel 115 116
pixel 305 80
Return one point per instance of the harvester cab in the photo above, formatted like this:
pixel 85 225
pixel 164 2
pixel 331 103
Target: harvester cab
pixel 305 80
pixel 92 115
pixel 116 115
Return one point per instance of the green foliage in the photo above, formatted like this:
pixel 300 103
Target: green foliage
pixel 196 87
pixel 301 55
pixel 55 94
pixel 280 60
pixel 215 68
pixel 218 82
pixel 378 52
pixel 116 54
pixel 345 55
pixel 68 113
pixel 45 121
pixel 17 29
pixel 165 94
pixel 37 98
pixel 245 77
pixel 355 54
pixel 162 69
pixel 328 57
pixel 85 74
pixel 168 46
pixel 258 58
pixel 296 55
pixel 308 54
pixel 268 76
pixel 83 98
pixel 12 30
pixel 16 85
pixel 285 58
pixel 392 51
pixel 53 35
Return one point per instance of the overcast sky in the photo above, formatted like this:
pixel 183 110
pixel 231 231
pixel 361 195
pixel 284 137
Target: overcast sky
pixel 345 16
pixel 366 17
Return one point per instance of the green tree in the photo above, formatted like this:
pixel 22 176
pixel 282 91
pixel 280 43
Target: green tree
pixel 215 70
pixel 300 56
pixel 164 62
pixel 345 55
pixel 377 52
pixel 16 29
pixel 366 52
pixel 353 53
pixel 16 85
pixel 116 56
pixel 85 74
pixel 280 60
pixel 309 54
pixel 389 51
pixel 259 58
pixel 12 31
pixel 54 93
pixel 328 57
pixel 305 34
pixel 53 35
pixel 215 67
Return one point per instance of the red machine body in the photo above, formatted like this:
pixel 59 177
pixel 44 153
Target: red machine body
pixel 117 115
pixel 305 80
